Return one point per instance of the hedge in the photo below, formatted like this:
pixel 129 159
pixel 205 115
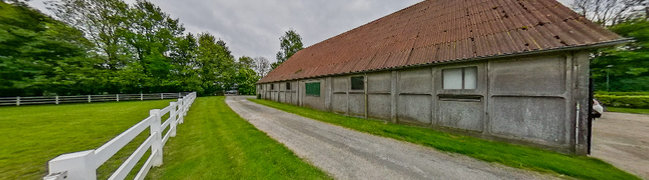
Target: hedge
pixel 624 101
pixel 622 93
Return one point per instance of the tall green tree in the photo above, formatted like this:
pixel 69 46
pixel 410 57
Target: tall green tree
pixel 290 43
pixel 103 22
pixel 627 67
pixel 245 77
pixel 39 55
pixel 215 64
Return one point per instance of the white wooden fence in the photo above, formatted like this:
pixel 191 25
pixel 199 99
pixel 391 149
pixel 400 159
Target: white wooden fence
pixel 83 165
pixel 17 101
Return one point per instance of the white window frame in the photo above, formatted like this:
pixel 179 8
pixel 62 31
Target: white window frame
pixel 463 69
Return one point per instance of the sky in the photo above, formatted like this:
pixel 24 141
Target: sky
pixel 253 27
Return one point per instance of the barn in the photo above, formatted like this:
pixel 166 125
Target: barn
pixel 508 70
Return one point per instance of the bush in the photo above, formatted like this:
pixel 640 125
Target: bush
pixel 624 101
pixel 622 93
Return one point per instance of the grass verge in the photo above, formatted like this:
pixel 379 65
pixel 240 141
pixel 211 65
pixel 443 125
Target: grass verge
pixel 33 135
pixel 628 110
pixel 508 154
pixel 215 143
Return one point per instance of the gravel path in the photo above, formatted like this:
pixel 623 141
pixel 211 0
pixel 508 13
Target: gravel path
pixel 348 154
pixel 622 139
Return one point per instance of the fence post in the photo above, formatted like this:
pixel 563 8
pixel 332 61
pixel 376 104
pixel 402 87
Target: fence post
pixel 174 120
pixel 156 132
pixel 141 97
pixel 181 105
pixel 162 96
pixel 56 99
pixel 117 97
pixel 78 165
pixel 89 98
pixel 17 100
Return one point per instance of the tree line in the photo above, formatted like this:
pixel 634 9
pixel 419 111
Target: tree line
pixel 110 46
pixel 625 67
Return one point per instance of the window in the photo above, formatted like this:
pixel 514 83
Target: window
pixel 358 83
pixel 313 89
pixel 460 78
pixel 288 86
pixel 272 86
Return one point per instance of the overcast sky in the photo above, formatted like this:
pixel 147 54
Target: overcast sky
pixel 253 27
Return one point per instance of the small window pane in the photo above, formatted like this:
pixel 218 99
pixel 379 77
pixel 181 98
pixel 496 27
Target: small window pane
pixel 470 77
pixel 452 78
pixel 288 86
pixel 272 86
pixel 357 83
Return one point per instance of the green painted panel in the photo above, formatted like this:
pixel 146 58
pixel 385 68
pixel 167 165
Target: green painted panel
pixel 313 89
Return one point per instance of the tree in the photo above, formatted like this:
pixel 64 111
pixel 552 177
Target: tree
pixel 215 64
pixel 102 21
pixel 39 55
pixel 261 66
pixel 290 44
pixel 611 12
pixel 245 78
pixel 626 66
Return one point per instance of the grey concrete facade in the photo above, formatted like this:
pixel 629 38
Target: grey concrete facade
pixel 538 99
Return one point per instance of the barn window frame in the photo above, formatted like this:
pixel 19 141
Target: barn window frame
pixel 463 77
pixel 288 86
pixel 357 83
pixel 272 86
pixel 312 89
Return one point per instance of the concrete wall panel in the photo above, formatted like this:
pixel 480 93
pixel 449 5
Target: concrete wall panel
pixel 461 115
pixel 340 84
pixel 537 75
pixel 415 81
pixel 378 106
pixel 339 103
pixel 414 108
pixel 379 82
pixel 357 104
pixel 313 101
pixel 532 118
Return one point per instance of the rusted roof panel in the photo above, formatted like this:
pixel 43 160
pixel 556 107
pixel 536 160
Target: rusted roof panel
pixel 437 31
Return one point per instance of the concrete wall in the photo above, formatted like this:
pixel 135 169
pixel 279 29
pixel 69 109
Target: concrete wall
pixel 539 100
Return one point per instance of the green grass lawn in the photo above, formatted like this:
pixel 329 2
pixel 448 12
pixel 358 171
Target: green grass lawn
pixel 627 110
pixel 33 135
pixel 490 151
pixel 215 143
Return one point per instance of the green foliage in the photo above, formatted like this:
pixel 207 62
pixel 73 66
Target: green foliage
pixel 215 143
pixel 624 101
pixel 498 152
pixel 290 44
pixel 626 66
pixel 246 78
pixel 109 46
pixel 39 55
pixel 627 110
pixel 622 93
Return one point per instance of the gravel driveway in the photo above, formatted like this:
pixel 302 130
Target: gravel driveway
pixel 622 139
pixel 348 154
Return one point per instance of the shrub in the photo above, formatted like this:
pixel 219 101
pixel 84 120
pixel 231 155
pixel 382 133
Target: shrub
pixel 624 101
pixel 622 93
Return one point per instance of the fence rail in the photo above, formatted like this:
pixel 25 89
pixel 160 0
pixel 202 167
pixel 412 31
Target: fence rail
pixel 17 101
pixel 84 164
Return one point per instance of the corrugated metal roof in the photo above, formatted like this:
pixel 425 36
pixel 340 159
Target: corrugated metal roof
pixel 437 31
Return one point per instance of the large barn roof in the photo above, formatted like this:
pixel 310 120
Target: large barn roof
pixel 436 31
